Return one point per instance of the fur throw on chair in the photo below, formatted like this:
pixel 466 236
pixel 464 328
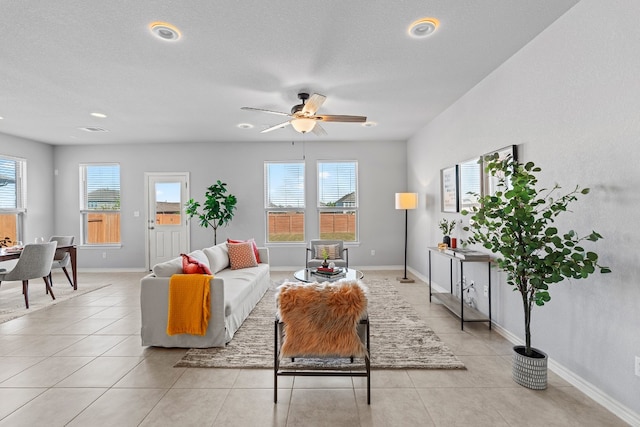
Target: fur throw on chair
pixel 321 319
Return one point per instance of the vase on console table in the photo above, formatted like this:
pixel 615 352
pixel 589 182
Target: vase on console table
pixel 447 240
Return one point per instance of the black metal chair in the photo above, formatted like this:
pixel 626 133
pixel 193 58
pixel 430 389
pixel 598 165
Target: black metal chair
pixel 299 332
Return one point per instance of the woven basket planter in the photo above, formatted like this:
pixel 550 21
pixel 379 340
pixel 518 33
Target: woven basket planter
pixel 530 372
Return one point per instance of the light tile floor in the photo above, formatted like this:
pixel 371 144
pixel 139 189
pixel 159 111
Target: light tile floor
pixel 80 363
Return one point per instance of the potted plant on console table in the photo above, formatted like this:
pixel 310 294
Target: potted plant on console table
pixel 217 210
pixel 516 223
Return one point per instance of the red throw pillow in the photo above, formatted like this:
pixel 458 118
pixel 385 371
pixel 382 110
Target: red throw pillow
pixel 191 265
pixel 253 244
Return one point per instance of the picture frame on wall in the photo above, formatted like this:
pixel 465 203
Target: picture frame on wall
pixel 470 187
pixel 449 189
pixel 490 183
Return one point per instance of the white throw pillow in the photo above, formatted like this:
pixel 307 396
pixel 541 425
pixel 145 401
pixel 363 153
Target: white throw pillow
pixel 218 257
pixel 174 266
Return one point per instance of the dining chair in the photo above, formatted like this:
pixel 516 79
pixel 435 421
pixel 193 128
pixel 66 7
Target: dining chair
pixel 62 258
pixel 35 261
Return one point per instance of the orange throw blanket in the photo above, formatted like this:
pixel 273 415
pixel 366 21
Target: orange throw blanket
pixel 189 304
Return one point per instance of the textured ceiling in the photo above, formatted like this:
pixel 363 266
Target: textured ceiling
pixel 61 60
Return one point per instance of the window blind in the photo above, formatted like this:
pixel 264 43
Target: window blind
pixel 12 183
pixel 284 185
pixel 337 184
pixel 101 187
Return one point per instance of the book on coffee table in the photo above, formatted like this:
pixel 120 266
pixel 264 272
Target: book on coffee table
pixel 328 272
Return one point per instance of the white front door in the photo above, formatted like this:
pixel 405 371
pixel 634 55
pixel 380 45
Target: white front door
pixel 167 231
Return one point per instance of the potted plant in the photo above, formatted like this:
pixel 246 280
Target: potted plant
pixel 5 242
pixel 447 227
pixel 217 209
pixel 517 225
pixel 325 256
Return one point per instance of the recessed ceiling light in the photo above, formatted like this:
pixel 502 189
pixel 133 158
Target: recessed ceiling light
pixel 99 115
pixel 369 124
pixel 423 27
pixel 245 126
pixel 1 118
pixel 165 31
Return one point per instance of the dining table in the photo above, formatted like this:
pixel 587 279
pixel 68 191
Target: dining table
pixel 7 254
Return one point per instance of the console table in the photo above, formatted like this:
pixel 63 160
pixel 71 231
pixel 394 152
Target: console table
pixel 454 304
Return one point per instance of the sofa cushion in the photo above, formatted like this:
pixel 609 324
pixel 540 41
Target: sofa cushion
pixel 241 255
pixel 253 243
pixel 191 265
pixel 174 266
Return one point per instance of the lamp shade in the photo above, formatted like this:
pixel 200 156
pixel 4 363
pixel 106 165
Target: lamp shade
pixel 303 125
pixel 406 200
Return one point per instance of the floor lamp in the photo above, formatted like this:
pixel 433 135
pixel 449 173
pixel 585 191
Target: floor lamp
pixel 406 201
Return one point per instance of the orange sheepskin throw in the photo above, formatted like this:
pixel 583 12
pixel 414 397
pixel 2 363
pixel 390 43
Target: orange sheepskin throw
pixel 322 319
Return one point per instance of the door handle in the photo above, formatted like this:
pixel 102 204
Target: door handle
pixel 152 228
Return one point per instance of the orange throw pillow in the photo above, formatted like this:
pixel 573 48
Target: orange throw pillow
pixel 253 243
pixel 191 265
pixel 241 255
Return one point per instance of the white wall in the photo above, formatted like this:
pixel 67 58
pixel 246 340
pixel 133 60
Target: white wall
pixel 570 99
pixel 40 201
pixel 240 165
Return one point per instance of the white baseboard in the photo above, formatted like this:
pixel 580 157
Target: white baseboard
pixel 621 411
pixel 112 270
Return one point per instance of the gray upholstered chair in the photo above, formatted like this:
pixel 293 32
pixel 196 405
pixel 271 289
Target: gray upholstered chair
pixel 339 255
pixel 302 334
pixel 62 258
pixel 35 261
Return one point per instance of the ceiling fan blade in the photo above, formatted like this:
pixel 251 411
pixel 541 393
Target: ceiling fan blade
pixel 265 111
pixel 280 126
pixel 319 130
pixel 350 119
pixel 313 104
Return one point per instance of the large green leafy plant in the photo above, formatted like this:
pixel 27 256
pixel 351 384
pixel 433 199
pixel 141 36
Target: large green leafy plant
pixel 517 224
pixel 217 209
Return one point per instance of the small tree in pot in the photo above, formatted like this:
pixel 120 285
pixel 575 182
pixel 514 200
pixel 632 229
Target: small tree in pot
pixel 217 209
pixel 516 223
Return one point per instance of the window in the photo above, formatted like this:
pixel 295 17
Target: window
pixel 100 203
pixel 338 200
pixel 284 201
pixel 13 198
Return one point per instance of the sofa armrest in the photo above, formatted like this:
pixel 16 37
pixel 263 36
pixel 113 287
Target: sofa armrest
pixel 154 304
pixel 264 255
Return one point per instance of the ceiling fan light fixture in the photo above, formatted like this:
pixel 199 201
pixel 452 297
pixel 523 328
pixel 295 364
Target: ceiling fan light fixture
pixel 423 27
pixel 303 125
pixel 165 31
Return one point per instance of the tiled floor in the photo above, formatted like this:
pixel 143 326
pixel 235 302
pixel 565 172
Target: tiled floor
pixel 80 363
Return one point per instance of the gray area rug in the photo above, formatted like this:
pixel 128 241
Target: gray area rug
pixel 12 301
pixel 399 339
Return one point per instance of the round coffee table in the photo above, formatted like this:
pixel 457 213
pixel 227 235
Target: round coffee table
pixel 307 275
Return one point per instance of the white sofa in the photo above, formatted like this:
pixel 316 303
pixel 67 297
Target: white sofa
pixel 234 293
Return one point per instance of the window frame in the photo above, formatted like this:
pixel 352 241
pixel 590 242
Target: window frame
pixel 85 211
pixel 322 208
pixel 20 209
pixel 269 209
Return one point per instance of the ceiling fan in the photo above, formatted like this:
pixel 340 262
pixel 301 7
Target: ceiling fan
pixel 304 118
